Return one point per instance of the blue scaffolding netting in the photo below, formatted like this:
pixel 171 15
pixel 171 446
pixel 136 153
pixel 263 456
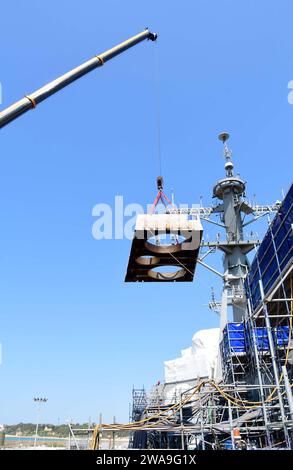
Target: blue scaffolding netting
pixel 236 338
pixel 274 253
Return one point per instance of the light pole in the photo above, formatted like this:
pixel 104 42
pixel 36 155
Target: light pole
pixel 38 401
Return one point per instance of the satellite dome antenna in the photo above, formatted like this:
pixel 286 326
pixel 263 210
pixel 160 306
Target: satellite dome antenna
pixel 223 137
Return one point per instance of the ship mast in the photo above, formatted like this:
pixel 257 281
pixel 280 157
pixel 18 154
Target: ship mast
pixel 232 208
pixel 231 191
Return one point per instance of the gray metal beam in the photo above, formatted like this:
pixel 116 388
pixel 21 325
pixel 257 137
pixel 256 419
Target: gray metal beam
pixel 32 100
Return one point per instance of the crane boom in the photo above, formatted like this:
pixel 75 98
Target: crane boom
pixel 32 100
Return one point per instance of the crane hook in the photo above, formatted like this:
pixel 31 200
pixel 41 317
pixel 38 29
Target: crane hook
pixel 160 183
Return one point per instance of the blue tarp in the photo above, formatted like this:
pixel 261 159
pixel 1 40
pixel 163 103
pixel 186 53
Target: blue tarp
pixel 283 336
pixel 274 253
pixel 234 338
pixel 262 340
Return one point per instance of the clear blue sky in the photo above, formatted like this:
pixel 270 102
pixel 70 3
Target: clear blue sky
pixel 70 329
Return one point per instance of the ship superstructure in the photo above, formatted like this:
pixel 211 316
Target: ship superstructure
pixel 246 401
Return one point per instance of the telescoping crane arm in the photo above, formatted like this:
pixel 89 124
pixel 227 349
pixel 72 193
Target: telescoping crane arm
pixel 32 100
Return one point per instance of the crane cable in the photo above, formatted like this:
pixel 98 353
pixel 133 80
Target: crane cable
pixel 157 99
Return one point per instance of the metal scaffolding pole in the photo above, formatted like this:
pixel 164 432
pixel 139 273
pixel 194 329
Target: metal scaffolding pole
pixel 262 395
pixel 274 364
pixel 288 391
pixel 231 425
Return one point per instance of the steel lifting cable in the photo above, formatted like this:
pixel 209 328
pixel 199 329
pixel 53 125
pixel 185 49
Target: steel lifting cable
pixel 157 98
pixel 157 103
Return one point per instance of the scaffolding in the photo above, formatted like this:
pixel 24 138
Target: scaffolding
pixel 250 406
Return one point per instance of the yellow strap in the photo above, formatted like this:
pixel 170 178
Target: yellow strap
pixel 33 102
pixel 100 59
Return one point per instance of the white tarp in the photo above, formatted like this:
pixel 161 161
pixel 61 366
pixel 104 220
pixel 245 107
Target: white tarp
pixel 197 361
